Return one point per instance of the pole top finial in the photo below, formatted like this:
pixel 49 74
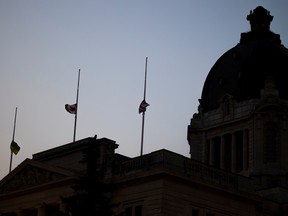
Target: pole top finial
pixel 259 19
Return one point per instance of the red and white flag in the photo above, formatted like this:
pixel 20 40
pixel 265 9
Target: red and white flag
pixel 142 107
pixel 71 108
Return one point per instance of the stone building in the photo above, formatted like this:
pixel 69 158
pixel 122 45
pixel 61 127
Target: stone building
pixel 237 144
pixel 159 183
pixel 241 124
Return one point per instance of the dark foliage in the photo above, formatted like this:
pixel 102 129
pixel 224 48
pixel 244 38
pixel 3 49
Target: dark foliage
pixel 91 192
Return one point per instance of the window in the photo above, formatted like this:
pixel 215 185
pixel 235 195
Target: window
pixel 128 211
pixel 227 109
pixel 239 150
pixel 271 144
pixel 207 155
pixel 217 151
pixel 52 210
pixel 30 212
pixel 138 210
pixel 195 212
pixel 227 151
pixel 135 210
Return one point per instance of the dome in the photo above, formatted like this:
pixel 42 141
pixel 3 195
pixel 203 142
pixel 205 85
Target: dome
pixel 242 70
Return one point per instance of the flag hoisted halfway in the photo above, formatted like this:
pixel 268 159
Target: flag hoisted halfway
pixel 71 108
pixel 142 106
pixel 15 148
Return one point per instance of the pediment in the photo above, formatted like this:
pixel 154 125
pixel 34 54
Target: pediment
pixel 31 174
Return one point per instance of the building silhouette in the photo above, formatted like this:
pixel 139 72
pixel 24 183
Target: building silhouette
pixel 238 145
pixel 241 125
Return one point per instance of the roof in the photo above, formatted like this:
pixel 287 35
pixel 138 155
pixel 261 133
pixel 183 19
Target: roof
pixel 242 70
pixel 30 175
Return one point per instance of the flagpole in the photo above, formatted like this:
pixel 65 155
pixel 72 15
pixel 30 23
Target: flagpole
pixel 75 122
pixel 13 136
pixel 143 113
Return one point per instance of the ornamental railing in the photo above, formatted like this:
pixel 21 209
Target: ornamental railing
pixel 164 161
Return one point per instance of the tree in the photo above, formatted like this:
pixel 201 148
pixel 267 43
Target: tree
pixel 92 193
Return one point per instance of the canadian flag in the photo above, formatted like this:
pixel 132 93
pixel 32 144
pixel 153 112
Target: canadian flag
pixel 71 108
pixel 142 106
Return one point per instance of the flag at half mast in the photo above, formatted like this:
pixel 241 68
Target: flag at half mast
pixel 142 107
pixel 71 108
pixel 15 148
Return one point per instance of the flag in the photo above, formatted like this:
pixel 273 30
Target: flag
pixel 71 108
pixel 15 148
pixel 142 107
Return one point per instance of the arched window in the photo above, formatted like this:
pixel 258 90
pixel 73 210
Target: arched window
pixel 227 105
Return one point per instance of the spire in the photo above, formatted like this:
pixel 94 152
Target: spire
pixel 260 19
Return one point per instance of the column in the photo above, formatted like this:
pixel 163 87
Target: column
pixel 233 153
pixel 245 149
pixel 222 153
pixel 211 152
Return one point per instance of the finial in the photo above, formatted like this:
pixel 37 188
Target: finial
pixel 260 19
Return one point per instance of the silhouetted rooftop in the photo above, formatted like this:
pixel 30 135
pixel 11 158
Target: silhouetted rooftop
pixel 242 70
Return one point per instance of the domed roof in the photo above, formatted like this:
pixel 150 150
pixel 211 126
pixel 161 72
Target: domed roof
pixel 242 70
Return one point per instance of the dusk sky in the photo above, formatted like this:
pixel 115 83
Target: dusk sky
pixel 44 44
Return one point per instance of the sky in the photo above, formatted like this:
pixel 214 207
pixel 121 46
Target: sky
pixel 44 43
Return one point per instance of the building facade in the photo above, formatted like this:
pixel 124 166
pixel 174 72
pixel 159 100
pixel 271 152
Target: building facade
pixel 238 164
pixel 159 183
pixel 241 125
